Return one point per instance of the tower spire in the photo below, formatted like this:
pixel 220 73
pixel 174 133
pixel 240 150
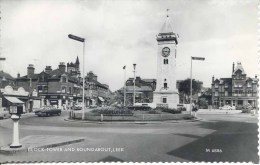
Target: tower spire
pixel 167 10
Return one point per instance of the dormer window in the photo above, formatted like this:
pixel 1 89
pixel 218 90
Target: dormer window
pixel 63 79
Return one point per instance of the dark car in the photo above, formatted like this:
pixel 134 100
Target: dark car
pixel 48 111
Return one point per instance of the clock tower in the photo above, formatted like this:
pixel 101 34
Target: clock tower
pixel 166 93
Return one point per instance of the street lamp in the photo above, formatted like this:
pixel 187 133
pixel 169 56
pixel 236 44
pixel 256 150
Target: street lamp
pixel 134 86
pixel 83 95
pixel 193 58
pixel 124 84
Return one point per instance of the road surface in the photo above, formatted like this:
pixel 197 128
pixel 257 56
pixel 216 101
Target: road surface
pixel 216 137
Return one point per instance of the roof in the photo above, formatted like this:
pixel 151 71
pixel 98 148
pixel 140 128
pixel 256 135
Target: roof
pixel 98 83
pixel 149 80
pixel 166 28
pixel 77 60
pixel 226 80
pixel 239 67
pixel 138 89
pixel 6 75
pixel 34 76
pixel 14 100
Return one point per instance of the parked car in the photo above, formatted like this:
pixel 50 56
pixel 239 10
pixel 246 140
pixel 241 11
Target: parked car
pixel 227 107
pixel 77 107
pixel 4 113
pixel 48 111
pixel 247 108
pixel 93 106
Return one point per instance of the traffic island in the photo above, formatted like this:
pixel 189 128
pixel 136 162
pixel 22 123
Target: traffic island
pixel 137 116
pixel 30 143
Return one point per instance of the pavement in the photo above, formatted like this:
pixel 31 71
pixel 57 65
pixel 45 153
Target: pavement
pixel 41 142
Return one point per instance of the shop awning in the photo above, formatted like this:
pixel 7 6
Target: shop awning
pixel 101 98
pixel 14 100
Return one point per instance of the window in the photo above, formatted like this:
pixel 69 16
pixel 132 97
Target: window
pixel 216 85
pixel 216 93
pixel 226 93
pixel 165 61
pixel 63 89
pixel 165 85
pixel 164 99
pixel 63 79
pixel 40 89
pixel 45 89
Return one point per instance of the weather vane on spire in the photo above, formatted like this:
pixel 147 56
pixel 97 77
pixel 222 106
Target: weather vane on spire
pixel 167 12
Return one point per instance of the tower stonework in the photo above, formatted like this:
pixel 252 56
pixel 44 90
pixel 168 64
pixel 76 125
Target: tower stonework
pixel 166 93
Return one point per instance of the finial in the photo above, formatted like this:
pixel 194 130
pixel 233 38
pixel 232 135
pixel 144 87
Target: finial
pixel 167 12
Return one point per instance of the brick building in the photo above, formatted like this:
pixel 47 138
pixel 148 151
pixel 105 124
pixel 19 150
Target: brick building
pixel 97 93
pixel 238 90
pixel 62 87
pixel 144 89
pixel 54 87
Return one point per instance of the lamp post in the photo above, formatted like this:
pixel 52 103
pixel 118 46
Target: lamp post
pixel 193 58
pixel 83 73
pixel 134 85
pixel 124 84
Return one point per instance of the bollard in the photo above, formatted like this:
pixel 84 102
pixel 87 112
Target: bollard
pixel 101 117
pixel 253 112
pixel 15 143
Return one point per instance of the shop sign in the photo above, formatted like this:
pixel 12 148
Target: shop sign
pixel 53 97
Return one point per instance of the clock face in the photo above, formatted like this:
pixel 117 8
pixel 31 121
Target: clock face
pixel 165 52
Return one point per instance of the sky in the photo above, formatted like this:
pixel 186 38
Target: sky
pixel 123 32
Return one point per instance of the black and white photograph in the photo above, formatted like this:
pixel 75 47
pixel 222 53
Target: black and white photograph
pixel 129 81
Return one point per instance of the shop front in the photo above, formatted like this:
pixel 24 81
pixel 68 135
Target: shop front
pixel 12 97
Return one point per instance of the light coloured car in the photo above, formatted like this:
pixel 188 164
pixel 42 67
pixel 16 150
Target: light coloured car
pixel 227 107
pixel 4 114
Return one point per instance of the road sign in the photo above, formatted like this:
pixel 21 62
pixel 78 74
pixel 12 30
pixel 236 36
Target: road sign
pixel 76 38
pixel 198 58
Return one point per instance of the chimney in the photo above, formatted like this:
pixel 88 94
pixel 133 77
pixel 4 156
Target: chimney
pixel 30 70
pixel 213 79
pixel 256 76
pixel 233 68
pixel 18 75
pixel 48 69
pixel 62 67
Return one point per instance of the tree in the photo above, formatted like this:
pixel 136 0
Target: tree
pixel 184 88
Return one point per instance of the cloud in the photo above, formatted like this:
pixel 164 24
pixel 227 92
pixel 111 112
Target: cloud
pixel 121 33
